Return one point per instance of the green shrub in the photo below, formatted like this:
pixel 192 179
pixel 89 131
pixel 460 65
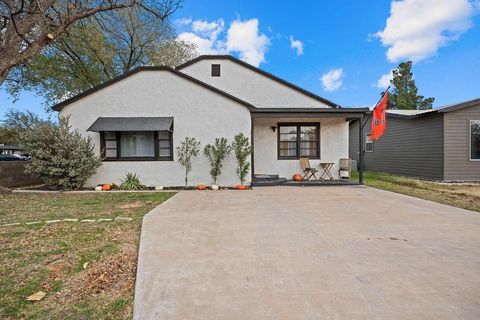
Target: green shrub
pixel 61 158
pixel 216 154
pixel 188 149
pixel 242 150
pixel 131 182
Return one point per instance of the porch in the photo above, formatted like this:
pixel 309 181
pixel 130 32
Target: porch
pixel 280 137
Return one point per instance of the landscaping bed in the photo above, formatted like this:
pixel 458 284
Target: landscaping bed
pixel 462 195
pixel 87 269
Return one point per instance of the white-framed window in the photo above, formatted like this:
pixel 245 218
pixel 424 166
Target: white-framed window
pixel 474 140
pixel 368 143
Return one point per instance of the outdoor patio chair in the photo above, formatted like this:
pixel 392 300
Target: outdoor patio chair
pixel 345 169
pixel 308 171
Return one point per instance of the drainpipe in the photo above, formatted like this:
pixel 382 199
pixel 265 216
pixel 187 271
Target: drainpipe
pixel 360 150
pixel 252 162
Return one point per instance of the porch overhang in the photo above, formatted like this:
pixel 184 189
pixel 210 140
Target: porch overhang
pixel 350 113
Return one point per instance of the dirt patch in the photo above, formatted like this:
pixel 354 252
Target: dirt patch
pixel 137 204
pixel 114 276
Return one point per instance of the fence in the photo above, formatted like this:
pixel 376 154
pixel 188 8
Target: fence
pixel 12 175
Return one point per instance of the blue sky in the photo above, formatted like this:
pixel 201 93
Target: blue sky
pixel 348 44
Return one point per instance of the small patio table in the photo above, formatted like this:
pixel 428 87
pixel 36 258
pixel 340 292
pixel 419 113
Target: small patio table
pixel 326 166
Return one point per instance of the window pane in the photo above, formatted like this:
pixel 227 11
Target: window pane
pixel 288 144
pixel 368 147
pixel 164 143
pixel 137 144
pixel 475 140
pixel 110 135
pixel 308 152
pixel 308 130
pixel 308 137
pixel 289 129
pixel 110 153
pixel 164 152
pixel 163 135
pixel 111 144
pixel 288 152
pixel 288 137
pixel 308 145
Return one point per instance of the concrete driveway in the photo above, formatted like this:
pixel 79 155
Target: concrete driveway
pixel 346 252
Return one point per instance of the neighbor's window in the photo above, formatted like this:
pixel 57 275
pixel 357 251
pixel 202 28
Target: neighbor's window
pixel 137 145
pixel 475 140
pixel 368 143
pixel 215 70
pixel 297 140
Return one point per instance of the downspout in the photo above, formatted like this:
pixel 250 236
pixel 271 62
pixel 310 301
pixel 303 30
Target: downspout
pixel 253 149
pixel 360 150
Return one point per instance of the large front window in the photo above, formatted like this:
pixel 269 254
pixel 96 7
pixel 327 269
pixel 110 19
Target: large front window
pixel 475 140
pixel 137 145
pixel 296 140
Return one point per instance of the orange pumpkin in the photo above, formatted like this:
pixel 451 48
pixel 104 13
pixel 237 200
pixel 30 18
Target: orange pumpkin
pixel 106 187
pixel 297 177
pixel 241 187
pixel 201 187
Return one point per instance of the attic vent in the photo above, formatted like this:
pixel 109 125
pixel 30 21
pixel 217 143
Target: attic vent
pixel 215 70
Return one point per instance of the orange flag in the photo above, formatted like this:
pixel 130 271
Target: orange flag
pixel 379 119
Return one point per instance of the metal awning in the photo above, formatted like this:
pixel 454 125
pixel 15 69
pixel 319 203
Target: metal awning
pixel 132 124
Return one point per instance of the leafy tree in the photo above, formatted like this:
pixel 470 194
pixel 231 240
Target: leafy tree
pixel 173 53
pixel 61 158
pixel 242 150
pixel 96 50
pixel 28 26
pixel 188 149
pixel 216 154
pixel 405 91
pixel 15 122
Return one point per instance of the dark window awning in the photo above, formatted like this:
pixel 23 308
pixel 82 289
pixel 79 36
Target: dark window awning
pixel 132 124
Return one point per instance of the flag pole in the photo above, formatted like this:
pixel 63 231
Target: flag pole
pixel 360 138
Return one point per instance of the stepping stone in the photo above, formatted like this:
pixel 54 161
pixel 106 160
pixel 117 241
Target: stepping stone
pixel 33 222
pixel 123 219
pixel 88 220
pixel 52 221
pixel 70 220
pixel 104 220
pixel 11 224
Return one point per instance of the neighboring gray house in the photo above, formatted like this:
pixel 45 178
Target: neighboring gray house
pixel 138 119
pixel 438 144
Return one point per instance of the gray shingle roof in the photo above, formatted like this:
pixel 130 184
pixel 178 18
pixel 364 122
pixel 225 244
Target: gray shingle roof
pixel 131 124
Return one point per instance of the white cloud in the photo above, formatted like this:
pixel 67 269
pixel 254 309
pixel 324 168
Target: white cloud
pixel 183 21
pixel 332 80
pixel 204 45
pixel 297 45
pixel 384 80
pixel 416 29
pixel 207 29
pixel 242 37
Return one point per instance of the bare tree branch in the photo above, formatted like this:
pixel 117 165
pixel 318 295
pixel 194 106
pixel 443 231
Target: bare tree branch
pixel 27 26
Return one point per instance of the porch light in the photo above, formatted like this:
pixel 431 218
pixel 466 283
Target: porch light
pixel 273 128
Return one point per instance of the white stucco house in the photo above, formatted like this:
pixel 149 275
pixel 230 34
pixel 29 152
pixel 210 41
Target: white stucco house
pixel 138 119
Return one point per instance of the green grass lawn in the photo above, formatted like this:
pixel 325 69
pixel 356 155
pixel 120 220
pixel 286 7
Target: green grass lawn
pixel 462 195
pixel 51 257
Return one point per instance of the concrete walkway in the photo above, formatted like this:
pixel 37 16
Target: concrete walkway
pixel 346 252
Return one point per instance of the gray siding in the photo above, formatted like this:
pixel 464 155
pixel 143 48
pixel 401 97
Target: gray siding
pixel 457 145
pixel 412 147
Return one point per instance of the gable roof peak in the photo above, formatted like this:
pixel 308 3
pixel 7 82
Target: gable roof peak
pixel 262 72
